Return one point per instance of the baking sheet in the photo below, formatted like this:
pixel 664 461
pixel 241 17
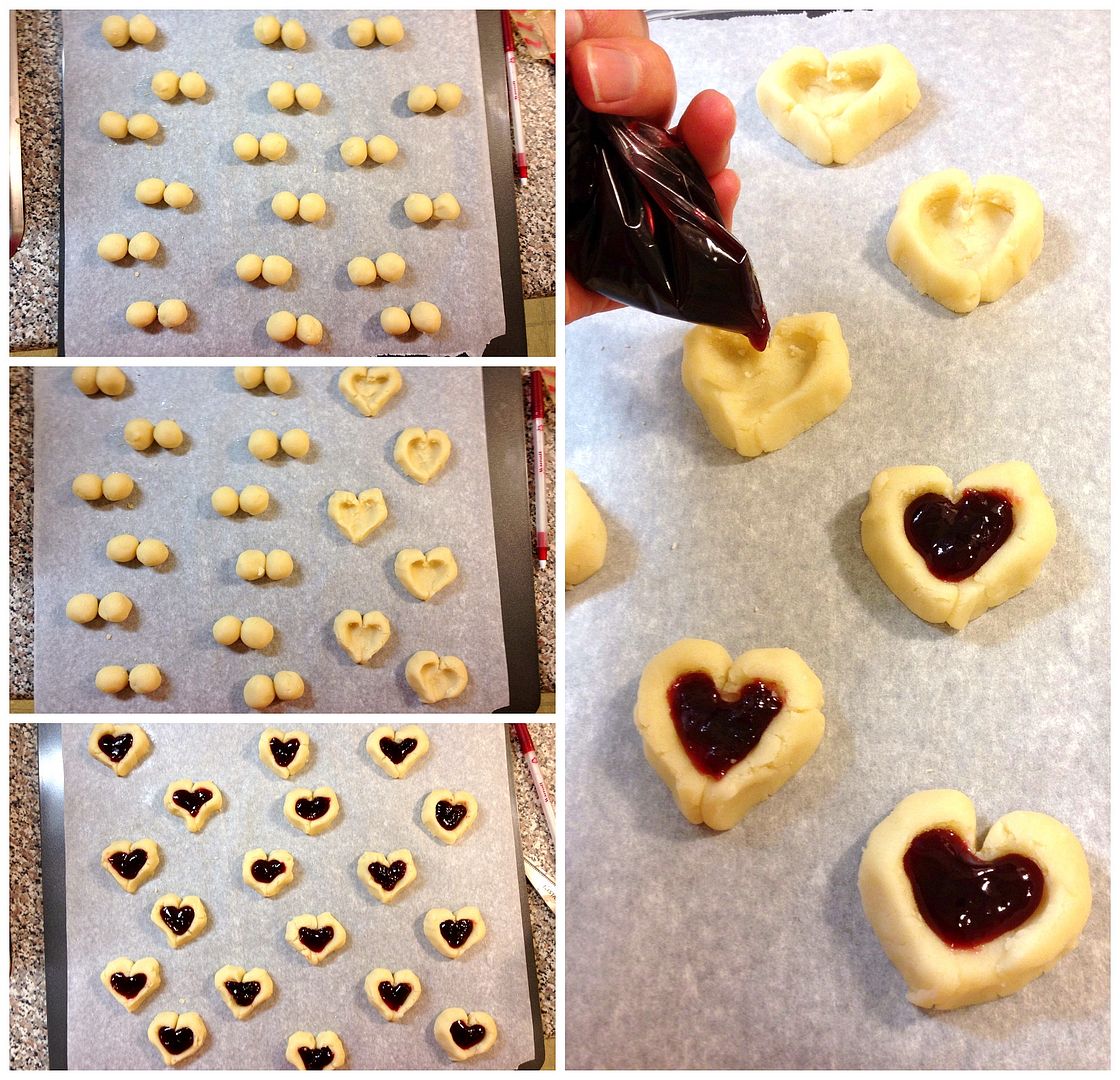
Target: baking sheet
pixel 750 949
pixel 176 606
pixel 377 813
pixel 452 264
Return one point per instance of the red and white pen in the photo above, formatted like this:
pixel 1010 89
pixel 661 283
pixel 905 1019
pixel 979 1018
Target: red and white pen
pixel 537 385
pixel 520 158
pixel 529 753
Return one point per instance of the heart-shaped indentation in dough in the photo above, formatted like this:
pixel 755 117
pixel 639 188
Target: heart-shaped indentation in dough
pixel 961 245
pixel 131 983
pixel 422 454
pixel 755 403
pixel 832 109
pixel 369 389
pixel 361 636
pixel 463 1035
pixel 927 891
pixel 434 677
pixel 357 515
pixel 424 574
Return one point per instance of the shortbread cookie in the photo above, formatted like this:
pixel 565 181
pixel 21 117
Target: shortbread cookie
pixel 397 752
pixel 131 983
pixel 243 991
pixel 449 815
pixel 422 454
pixel 392 993
pixel 320 1053
pixel 268 872
pixel 361 637
pixel 284 752
pixel 435 678
pixel 177 1036
pixel 311 811
pixel 454 932
pixel 182 919
pixel 193 802
pixel 315 937
pixel 130 865
pixel 387 876
pixel 464 1035
pixel 369 390
pixel 120 746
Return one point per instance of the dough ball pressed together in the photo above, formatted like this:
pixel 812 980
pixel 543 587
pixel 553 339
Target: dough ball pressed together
pixel 224 501
pixel 143 246
pixel 278 565
pixel 253 499
pixel 117 486
pixel 115 608
pixel 361 32
pixel 256 633
pixel 421 98
pixel 192 85
pixel 281 95
pixel 446 207
pixel 165 85
pixel 249 268
pixel 259 692
pixel 111 679
pixel 142 125
pixel 390 266
pixel 227 630
pixel 285 205
pixel 114 29
pixel 418 208
pixel 309 330
pixel 139 433
pixel 145 678
pixel 308 95
pixel 172 313
pixel 168 434
pixel 281 326
pixel 246 147
pixel 251 564
pixel 87 486
pixel 389 29
pixel 293 35
pixel 277 379
pixel 361 270
pixel 312 207
pixel 122 548
pixel 277 271
pixel 353 150
pixel 141 29
pixel 382 149
pixel 448 96
pixel 264 444
pixel 115 125
pixel 140 313
pixel 266 29
pixel 395 321
pixel 112 246
pixel 295 443
pixel 152 552
pixel 150 191
pixel 178 195
pixel 426 317
pixel 82 608
pixel 273 146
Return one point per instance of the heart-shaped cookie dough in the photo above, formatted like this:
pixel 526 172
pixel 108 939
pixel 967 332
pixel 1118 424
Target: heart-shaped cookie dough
pixel 452 933
pixel 464 1035
pixel 387 876
pixel 392 993
pixel 131 983
pixel 243 991
pixel 435 678
pixel 311 811
pixel 832 109
pixel 316 1053
pixel 422 454
pixel 448 815
pixel 963 246
pixel 725 734
pixel 357 515
pixel 369 389
pixel 286 753
pixel 194 803
pixel 361 637
pixel 1023 898
pixel 397 752
pixel 268 872
pixel 424 574
pixel 315 937
pixel 755 403
pixel 130 865
pixel 950 555
pixel 182 919
pixel 177 1036
pixel 119 746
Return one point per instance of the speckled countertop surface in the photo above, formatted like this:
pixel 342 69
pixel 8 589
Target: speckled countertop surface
pixel 22 473
pixel 33 285
pixel 28 1014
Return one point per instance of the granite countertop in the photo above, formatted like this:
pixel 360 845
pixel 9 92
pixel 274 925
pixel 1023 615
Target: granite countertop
pixel 33 288
pixel 28 1013
pixel 22 475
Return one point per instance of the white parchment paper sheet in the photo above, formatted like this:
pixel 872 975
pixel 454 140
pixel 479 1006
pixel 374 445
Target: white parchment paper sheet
pixel 246 929
pixel 176 605
pixel 750 948
pixel 452 264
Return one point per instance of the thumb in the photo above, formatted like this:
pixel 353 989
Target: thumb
pixel 624 76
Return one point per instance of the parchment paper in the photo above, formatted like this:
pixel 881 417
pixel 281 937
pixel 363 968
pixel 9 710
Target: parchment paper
pixel 176 605
pixel 750 948
pixel 377 813
pixel 452 264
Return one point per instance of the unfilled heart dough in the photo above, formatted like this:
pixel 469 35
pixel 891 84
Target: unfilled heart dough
pixel 755 403
pixel 963 246
pixel 832 109
pixel 360 636
pixel 424 574
pixel 422 454
pixel 357 515
pixel 369 389
pixel 434 677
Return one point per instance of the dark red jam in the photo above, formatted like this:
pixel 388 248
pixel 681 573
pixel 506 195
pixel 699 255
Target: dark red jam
pixel 267 870
pixel 956 538
pixel 284 752
pixel 450 814
pixel 316 1058
pixel 465 1036
pixel 966 901
pixel 128 986
pixel 115 747
pixel 311 809
pixel 128 863
pixel 244 993
pixel 388 876
pixel 178 919
pixel 316 939
pixel 456 931
pixel 716 733
pixel 176 1040
pixel 394 994
pixel 396 752
pixel 192 801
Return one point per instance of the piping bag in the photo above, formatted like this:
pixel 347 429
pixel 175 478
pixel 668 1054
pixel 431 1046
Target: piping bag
pixel 644 228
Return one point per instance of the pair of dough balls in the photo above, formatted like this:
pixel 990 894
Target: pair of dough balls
pixel 388 30
pixel 171 313
pixel 423 98
pixel 125 548
pixel 261 690
pixel 108 380
pixel 113 247
pixel 424 316
pixel 275 379
pixel 380 148
pixel 253 564
pixel 140 434
pixel 154 190
pixel 253 500
pixel 166 84
pixel 267 30
pixel 85 607
pixel 272 147
pixel 310 207
pixel 282 95
pixel 254 632
pixel 283 326
pixel 419 208
pixel 117 126
pixel 365 271
pixel 119 31
pixel 143 679
pixel 265 444
pixel 275 269
pixel 91 487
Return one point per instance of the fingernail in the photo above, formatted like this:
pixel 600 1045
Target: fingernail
pixel 573 28
pixel 615 74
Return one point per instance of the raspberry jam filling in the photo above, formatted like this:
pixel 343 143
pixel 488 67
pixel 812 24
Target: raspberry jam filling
pixel 957 538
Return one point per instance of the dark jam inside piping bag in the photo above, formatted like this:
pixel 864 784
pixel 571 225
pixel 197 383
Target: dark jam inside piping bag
pixel 644 227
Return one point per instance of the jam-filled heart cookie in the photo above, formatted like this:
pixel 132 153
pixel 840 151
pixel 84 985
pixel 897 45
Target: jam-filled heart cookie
pixel 268 872
pixel 131 983
pixel 360 636
pixel 243 991
pixel 130 865
pixel 965 925
pixel 422 454
pixel 392 993
pixel 387 876
pixel 193 802
pixel 317 1053
pixel 725 734
pixel 464 1035
pixel 177 1036
pixel 950 555
pixel 182 919
pixel 119 746
pixel 397 752
pixel 435 678
pixel 454 932
pixel 425 573
pixel 311 811
pixel 284 752
pixel 449 814
pixel 369 389
pixel 315 937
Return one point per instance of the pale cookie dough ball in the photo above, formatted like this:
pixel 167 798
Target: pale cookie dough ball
pixel 224 501
pixel 178 195
pixel 389 30
pixel 256 632
pixel 82 608
pixel 143 246
pixel 277 271
pixel 172 313
pixel 248 378
pixel 382 149
pixel 281 326
pixel 142 125
pixel 390 266
pixel 295 443
pixel 113 124
pixel 110 380
pixel 285 205
pixel 168 433
pixel 111 680
pixel 421 98
pixel 395 321
pixel 246 147
pixel 117 486
pixel 264 444
pixel 253 499
pixel 281 95
pixel 448 96
pixel 249 269
pixel 152 552
pixel 145 679
pixel 122 549
pixel 267 29
pixel 138 433
pixel 259 692
pixel 116 607
pixel 361 32
pixel 112 246
pixel 273 146
pixel 87 486
pixel 150 191
pixel 308 95
pixel 446 207
pixel 192 85
pixel 361 270
pixel 289 686
pixel 426 317
pixel 227 630
pixel 418 208
pixel 293 35
pixel 114 29
pixel 141 29
pixel 309 330
pixel 165 85
pixel 353 150
pixel 312 207
pixel 279 565
pixel 250 565
pixel 277 379
pixel 140 313
pixel 85 379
